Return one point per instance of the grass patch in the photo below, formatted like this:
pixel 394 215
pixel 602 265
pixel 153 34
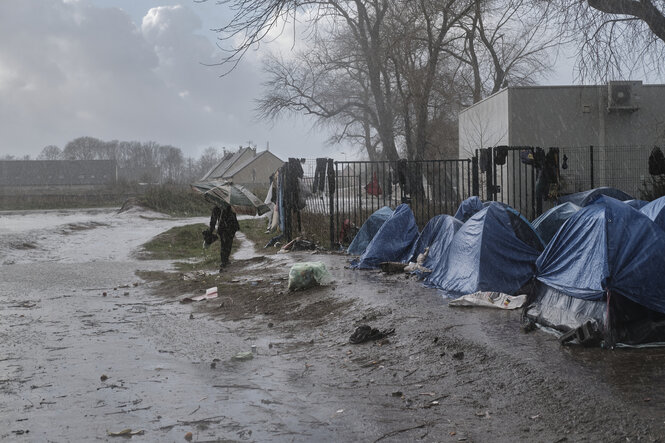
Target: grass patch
pixel 175 200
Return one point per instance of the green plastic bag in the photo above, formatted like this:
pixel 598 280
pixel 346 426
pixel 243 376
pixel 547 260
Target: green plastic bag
pixel 307 275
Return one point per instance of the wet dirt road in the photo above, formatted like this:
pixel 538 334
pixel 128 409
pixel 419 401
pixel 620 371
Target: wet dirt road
pixel 76 365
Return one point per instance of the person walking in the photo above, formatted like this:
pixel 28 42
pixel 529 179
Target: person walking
pixel 227 225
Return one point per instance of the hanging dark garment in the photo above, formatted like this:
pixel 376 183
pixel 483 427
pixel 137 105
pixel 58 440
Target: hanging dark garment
pixel 331 176
pixel 527 157
pixel 319 175
pixel 500 155
pixel 656 161
pixel 484 159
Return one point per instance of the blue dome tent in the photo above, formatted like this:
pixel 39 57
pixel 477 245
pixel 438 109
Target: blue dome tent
pixel 654 210
pixel 495 250
pixel 369 230
pixel 437 235
pixel 585 198
pixel 393 242
pixel 549 222
pixel 469 207
pixel 604 266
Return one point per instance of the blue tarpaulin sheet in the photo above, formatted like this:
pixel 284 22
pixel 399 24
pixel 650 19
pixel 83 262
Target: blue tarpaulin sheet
pixel 654 210
pixel 548 223
pixel 437 235
pixel 468 207
pixel 585 198
pixel 636 203
pixel 369 230
pixel 607 246
pixel 495 250
pixel 394 241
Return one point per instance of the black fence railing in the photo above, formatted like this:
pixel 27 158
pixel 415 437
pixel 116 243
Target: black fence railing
pixel 430 187
pixel 527 178
pixel 532 179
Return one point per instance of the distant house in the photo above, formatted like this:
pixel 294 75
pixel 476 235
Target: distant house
pixel 246 167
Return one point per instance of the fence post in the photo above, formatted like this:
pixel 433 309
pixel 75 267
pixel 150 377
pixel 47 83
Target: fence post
pixel 489 176
pixel 332 179
pixel 591 161
pixel 476 177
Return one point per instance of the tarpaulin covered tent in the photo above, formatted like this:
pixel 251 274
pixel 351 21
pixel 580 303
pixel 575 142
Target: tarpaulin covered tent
pixel 549 222
pixel 495 250
pixel 606 250
pixel 468 207
pixel 369 230
pixel 436 235
pixel 394 241
pixel 585 198
pixel 654 210
pixel 636 203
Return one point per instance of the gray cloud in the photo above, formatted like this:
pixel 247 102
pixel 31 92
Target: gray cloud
pixel 69 69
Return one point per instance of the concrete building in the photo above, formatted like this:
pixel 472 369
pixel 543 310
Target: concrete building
pixel 246 167
pixel 622 121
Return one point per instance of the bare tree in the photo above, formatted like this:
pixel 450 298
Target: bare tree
pixel 502 42
pixel 615 37
pixel 50 152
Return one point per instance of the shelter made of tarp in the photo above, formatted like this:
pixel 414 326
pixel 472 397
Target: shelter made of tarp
pixel 607 246
pixel 655 211
pixel 468 207
pixel 393 242
pixel 549 222
pixel 495 250
pixel 436 235
pixel 585 198
pixel 369 230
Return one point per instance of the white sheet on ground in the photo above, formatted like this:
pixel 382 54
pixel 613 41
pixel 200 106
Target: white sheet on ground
pixel 490 300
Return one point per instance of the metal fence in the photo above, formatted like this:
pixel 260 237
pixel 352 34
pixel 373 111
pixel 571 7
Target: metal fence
pixel 511 175
pixel 430 187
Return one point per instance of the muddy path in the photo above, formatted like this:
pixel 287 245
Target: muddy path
pixel 77 364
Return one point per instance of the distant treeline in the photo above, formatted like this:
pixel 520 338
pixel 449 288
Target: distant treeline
pixel 173 165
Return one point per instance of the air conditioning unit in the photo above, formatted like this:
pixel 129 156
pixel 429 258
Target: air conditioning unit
pixel 623 96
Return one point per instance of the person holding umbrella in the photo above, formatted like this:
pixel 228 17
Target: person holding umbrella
pixel 227 225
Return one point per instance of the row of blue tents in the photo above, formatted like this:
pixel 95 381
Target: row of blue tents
pixel 595 261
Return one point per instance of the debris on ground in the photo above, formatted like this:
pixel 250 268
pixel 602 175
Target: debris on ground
pixel 125 433
pixel 242 356
pixel 298 244
pixel 366 333
pixel 490 300
pixel 210 294
pixel 308 274
pixel 392 267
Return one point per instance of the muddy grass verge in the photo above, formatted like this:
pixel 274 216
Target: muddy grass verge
pixel 246 288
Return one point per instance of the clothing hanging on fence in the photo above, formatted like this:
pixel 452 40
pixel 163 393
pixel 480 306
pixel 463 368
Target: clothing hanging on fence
pixel 484 159
pixel 527 156
pixel 319 175
pixel 656 161
pixel 331 176
pixel 373 187
pixel 500 155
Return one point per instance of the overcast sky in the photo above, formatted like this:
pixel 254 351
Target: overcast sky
pixel 130 70
pixel 133 70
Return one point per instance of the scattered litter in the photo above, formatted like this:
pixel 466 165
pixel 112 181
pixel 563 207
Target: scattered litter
pixel 125 433
pixel 308 274
pixel 490 300
pixel 298 244
pixel 104 377
pixel 397 394
pixel 366 333
pixel 189 436
pixel 242 356
pixel 210 293
pixel 458 355
pixel 392 267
